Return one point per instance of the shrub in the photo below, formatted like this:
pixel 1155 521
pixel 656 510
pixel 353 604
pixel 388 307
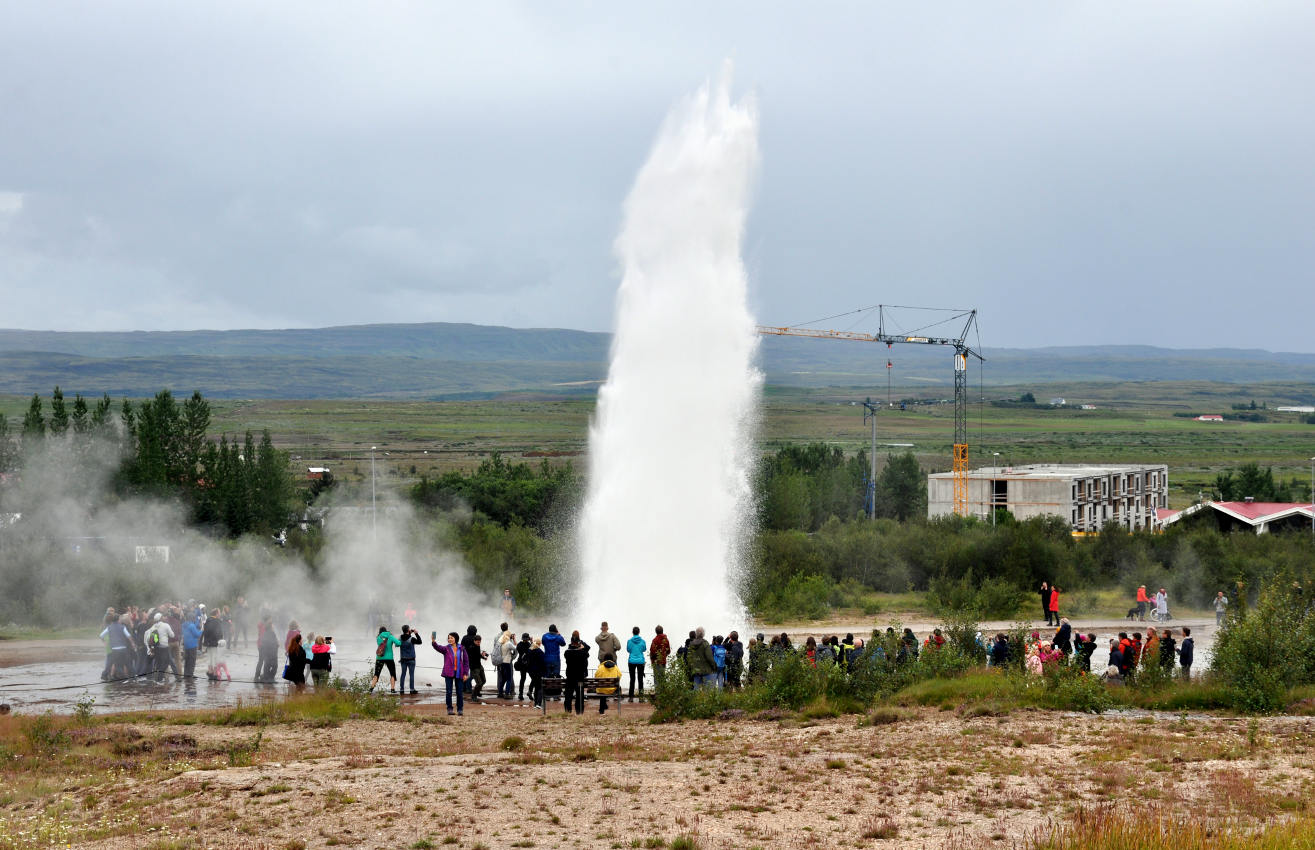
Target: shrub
pixel 1268 649
pixel 991 598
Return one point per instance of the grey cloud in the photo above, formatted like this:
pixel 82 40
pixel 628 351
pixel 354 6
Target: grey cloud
pixel 1082 173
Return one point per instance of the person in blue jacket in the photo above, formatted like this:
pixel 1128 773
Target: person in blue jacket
pixel 635 648
pixel 553 643
pixel 191 640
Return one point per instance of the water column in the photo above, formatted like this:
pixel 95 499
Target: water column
pixel 671 449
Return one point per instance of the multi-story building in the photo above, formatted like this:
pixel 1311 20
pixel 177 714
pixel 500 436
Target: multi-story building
pixel 1088 497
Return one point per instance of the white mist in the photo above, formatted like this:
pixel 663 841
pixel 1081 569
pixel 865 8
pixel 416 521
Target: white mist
pixel 668 507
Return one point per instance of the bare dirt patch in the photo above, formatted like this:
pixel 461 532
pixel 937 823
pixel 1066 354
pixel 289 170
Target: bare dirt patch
pixel 505 777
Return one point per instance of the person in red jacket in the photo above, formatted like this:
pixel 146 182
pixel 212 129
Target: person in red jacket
pixel 1054 603
pixel 658 652
pixel 1143 602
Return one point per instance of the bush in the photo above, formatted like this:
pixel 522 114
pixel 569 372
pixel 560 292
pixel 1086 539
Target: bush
pixel 992 598
pixel 1267 650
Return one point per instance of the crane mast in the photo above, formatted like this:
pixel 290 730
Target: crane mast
pixel 962 351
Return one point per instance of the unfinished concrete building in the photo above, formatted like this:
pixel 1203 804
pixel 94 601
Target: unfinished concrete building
pixel 1088 497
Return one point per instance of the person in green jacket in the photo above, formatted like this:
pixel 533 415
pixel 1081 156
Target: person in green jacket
pixel 383 657
pixel 702 665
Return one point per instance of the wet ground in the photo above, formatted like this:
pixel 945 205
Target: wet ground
pixel 53 675
pixel 37 676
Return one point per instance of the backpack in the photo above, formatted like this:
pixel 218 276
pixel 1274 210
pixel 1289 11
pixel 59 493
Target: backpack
pixel 381 649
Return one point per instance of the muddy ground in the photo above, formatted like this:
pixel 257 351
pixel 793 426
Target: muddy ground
pixel 507 777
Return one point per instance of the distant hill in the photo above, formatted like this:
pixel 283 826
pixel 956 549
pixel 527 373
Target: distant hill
pixel 442 360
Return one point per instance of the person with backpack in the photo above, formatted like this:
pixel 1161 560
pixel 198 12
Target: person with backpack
pixel 719 659
pixel 407 658
pixel 157 638
pixel 383 658
pixel 658 653
pixel 635 648
pixel 456 668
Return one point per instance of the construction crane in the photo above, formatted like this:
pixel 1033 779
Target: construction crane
pixel 962 351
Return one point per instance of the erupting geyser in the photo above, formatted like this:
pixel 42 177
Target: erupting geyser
pixel 671 447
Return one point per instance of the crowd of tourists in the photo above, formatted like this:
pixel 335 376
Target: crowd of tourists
pixel 1129 654
pixel 170 639
pixel 171 636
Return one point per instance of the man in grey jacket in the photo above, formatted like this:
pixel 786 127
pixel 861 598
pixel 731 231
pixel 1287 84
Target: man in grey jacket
pixel 607 644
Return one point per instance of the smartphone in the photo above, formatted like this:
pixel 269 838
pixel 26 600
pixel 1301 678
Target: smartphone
pixel 433 636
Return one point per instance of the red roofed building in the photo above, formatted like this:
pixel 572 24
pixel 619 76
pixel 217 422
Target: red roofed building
pixel 1261 517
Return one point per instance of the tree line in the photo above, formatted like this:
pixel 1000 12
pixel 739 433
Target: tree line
pixel 163 450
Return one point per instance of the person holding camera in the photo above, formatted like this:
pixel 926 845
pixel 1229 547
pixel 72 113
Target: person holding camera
pixel 407 658
pixel 456 668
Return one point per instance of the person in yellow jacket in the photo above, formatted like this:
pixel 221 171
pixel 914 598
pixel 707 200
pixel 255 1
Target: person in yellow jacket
pixel 607 670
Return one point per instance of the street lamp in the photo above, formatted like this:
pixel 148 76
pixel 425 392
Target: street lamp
pixel 374 511
pixel 996 462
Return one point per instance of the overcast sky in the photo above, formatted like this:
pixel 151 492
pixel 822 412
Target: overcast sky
pixel 1081 172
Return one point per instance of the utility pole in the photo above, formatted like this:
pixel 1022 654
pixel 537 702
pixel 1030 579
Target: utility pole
pixel 996 455
pixel 870 412
pixel 1312 498
pixel 374 510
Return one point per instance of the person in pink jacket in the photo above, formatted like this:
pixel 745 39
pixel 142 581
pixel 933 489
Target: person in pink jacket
pixel 456 667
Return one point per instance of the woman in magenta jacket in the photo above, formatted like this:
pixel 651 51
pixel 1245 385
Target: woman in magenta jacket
pixel 456 667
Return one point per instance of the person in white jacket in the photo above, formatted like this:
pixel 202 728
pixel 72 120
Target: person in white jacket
pixel 506 657
pixel 158 637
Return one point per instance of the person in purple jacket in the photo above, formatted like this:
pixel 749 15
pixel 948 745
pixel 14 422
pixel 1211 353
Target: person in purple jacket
pixel 456 667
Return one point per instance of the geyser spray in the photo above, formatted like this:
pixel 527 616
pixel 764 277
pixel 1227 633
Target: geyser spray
pixel 667 511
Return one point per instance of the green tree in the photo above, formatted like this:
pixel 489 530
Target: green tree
pixel 34 423
pixel 901 488
pixel 81 422
pixel 273 485
pixel 1249 480
pixel 58 412
pixel 8 453
pixel 785 503
pixel 192 435
pixel 100 417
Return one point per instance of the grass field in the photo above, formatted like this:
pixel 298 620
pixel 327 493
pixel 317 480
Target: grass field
pixel 1133 423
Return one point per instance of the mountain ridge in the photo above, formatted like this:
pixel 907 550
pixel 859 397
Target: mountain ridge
pixel 445 359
